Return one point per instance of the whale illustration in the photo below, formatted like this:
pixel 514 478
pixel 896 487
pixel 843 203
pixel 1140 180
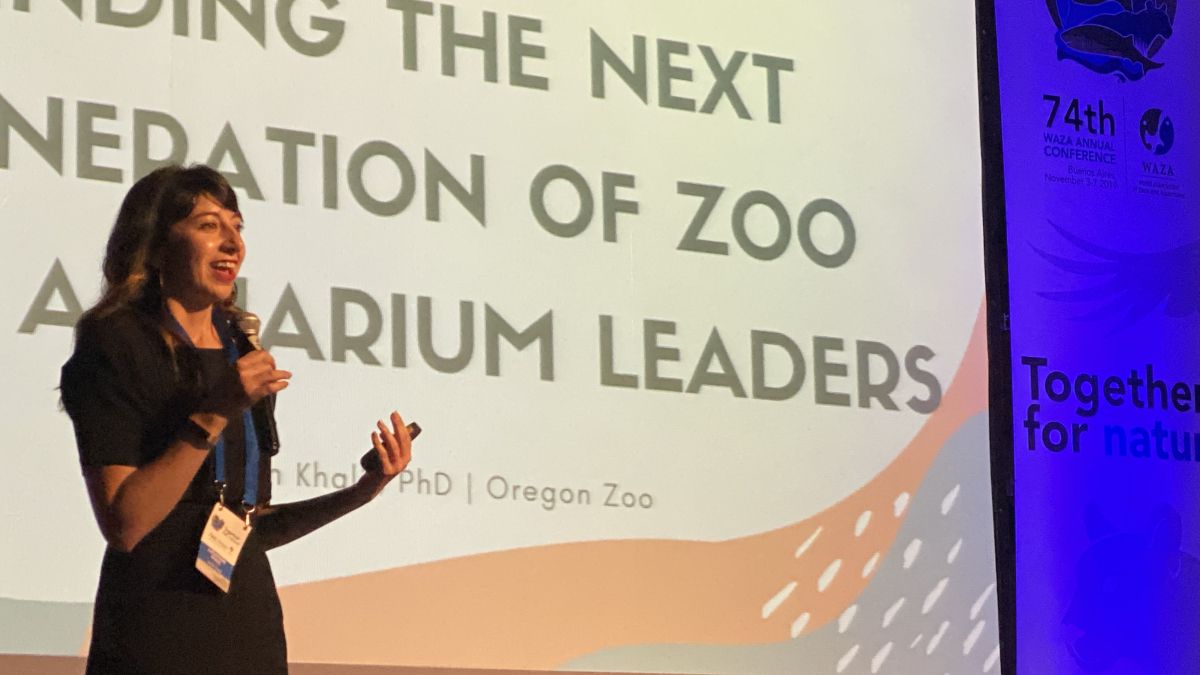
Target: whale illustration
pixel 1113 36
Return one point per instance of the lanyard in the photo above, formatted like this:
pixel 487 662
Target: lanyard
pixel 250 491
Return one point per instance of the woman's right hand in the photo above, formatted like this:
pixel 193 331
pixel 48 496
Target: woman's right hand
pixel 255 376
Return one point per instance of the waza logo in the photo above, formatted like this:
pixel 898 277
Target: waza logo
pixel 1113 36
pixel 1157 131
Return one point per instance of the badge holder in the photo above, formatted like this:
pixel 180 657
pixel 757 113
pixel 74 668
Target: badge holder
pixel 220 545
pixel 225 533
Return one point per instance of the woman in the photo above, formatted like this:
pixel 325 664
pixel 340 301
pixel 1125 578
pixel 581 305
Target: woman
pixel 160 395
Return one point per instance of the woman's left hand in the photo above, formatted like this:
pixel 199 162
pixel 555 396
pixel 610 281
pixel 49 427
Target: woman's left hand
pixel 394 447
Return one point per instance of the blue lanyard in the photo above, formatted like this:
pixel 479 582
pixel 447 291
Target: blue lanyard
pixel 250 491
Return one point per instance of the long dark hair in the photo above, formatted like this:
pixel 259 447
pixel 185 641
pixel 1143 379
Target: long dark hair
pixel 138 241
pixel 137 247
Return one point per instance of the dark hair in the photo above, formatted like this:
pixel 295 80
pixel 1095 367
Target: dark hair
pixel 137 243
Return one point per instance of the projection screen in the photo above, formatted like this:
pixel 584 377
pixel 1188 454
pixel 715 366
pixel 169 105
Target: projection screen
pixel 687 298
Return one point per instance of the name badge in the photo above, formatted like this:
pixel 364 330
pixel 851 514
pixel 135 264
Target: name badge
pixel 224 536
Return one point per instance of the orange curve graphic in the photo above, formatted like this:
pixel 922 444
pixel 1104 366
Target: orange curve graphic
pixel 539 607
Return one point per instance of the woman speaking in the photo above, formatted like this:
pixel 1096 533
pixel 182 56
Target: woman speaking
pixel 172 413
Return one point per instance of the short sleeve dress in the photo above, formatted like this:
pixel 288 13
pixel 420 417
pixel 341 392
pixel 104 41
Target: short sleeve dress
pixel 155 613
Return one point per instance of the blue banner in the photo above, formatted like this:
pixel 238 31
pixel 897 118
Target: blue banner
pixel 1100 112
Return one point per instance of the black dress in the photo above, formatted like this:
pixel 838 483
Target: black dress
pixel 127 396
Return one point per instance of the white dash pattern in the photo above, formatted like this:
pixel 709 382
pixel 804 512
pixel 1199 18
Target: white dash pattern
pixel 953 555
pixel 880 657
pixel 932 598
pixel 870 566
pixel 847 618
pixel 991 660
pixel 860 525
pixel 950 498
pixel 911 552
pixel 773 604
pixel 890 614
pixel 828 575
pixel 983 598
pixel 973 637
pixel 808 542
pixel 799 624
pixel 937 638
pixel 847 658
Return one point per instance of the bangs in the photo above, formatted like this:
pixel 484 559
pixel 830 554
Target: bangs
pixel 190 184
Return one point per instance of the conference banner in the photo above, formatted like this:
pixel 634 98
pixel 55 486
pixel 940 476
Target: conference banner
pixel 686 297
pixel 1100 113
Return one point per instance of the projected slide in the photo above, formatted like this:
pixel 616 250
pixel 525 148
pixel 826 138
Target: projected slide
pixel 686 297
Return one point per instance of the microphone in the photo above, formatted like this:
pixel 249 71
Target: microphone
pixel 248 323
pixel 371 462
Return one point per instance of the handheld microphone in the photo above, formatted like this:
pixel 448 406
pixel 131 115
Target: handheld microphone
pixel 248 323
pixel 371 461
